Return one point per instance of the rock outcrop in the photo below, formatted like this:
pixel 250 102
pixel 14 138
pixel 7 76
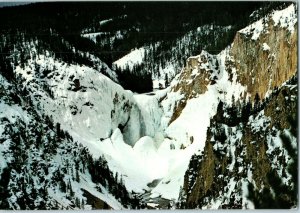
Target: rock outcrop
pixel 265 53
pixel 263 58
pixel 244 154
pixel 200 71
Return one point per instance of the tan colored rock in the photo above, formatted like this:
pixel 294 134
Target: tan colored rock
pixel 193 80
pixel 263 69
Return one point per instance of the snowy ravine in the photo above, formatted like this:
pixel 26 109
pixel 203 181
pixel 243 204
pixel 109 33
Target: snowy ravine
pixel 187 134
pixel 131 131
pixel 71 137
pixel 218 177
pixel 43 163
pixel 182 48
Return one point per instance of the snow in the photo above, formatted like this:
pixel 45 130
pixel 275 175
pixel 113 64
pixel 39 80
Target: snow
pixel 103 22
pixel 286 18
pixel 73 111
pixel 151 157
pixel 86 184
pixel 135 57
pixel 246 204
pixel 249 174
pixel 143 150
pixel 153 205
pixel 139 165
pixel 259 123
pixel 255 29
pixel 93 36
pixel 193 121
pixel 169 70
pixel 195 72
pixel 232 150
pixel 12 113
pixel 168 105
pixel 104 195
pixel 157 82
pixel 148 147
pixel 265 47
pixel 2 159
pixel 145 146
pixel 88 116
pixel 274 145
pixel 85 127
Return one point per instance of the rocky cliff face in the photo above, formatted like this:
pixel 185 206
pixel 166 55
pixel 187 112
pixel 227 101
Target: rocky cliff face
pixel 265 53
pixel 244 145
pixel 71 138
pixel 200 71
pixel 243 154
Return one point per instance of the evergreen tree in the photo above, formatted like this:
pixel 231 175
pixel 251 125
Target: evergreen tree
pixel 232 111
pixel 4 192
pixel 58 131
pixel 285 196
pixel 256 102
pixel 246 110
pixel 77 176
pixel 62 186
pixel 166 80
pixel 220 112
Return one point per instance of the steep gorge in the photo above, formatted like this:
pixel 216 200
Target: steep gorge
pixel 200 135
pixel 235 156
pixel 247 151
pixel 265 53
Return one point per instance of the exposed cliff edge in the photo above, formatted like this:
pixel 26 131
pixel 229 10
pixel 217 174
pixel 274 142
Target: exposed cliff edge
pixel 245 144
pixel 262 57
pixel 243 154
pixel 72 138
pixel 265 53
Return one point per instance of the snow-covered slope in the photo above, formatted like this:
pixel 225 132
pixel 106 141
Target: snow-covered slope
pixel 93 109
pixel 109 120
pixel 187 134
pixel 44 167
pixel 135 57
pixel 164 64
pixel 245 152
pixel 286 18
pixel 146 139
pixel 85 102
pixel 232 159
pixel 101 115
